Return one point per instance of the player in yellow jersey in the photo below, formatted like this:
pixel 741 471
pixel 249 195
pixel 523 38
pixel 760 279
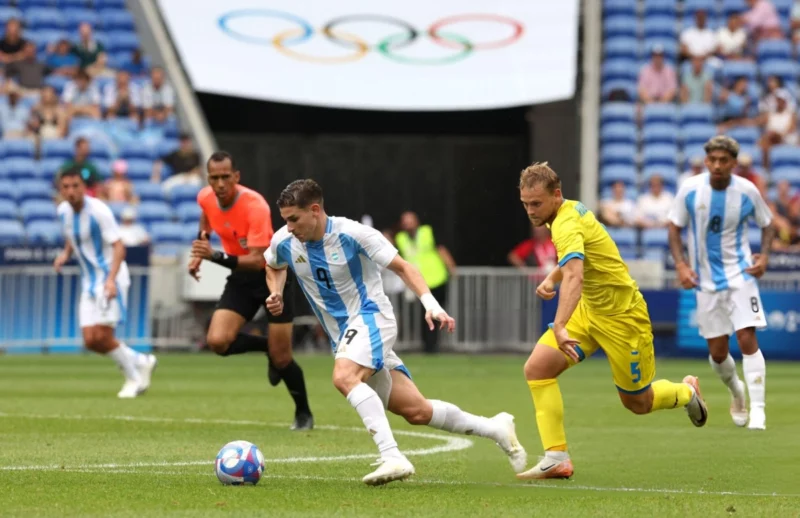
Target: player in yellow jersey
pixel 599 306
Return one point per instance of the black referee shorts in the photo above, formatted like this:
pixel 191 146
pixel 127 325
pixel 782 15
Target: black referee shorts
pixel 246 291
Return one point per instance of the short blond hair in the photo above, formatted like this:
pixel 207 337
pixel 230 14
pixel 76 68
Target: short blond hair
pixel 539 173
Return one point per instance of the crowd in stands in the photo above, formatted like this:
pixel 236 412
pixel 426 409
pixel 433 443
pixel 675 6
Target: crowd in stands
pixel 76 91
pixel 676 73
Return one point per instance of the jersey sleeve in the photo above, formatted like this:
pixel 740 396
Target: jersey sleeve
pixel 260 231
pixel 678 213
pixel 761 212
pixel 568 237
pixel 108 225
pixel 274 258
pixel 373 244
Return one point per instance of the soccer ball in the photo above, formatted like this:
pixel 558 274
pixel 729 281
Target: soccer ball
pixel 238 463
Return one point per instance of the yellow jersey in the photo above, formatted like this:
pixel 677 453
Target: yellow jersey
pixel 608 288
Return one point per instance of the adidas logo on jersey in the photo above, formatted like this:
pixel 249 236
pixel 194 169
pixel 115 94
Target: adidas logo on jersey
pixel 301 259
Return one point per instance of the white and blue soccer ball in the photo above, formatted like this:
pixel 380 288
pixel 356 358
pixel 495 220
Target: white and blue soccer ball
pixel 239 463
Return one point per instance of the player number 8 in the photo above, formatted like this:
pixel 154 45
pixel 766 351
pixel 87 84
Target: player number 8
pixel 754 304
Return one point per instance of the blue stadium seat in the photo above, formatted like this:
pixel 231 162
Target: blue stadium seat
pixel 188 212
pixel 43 232
pixel 628 253
pixel 784 155
pixel 622 25
pixel 660 133
pixel 184 193
pixel 22 148
pixel 123 41
pixel 660 26
pixel 147 191
pixel 660 155
pixel 37 210
pixel 152 211
pixel 122 125
pixel 19 168
pixel 8 209
pixel 139 169
pixel 618 133
pixel 696 113
pixel 660 112
pixel 28 4
pixel 734 6
pixel 48 167
pixel 117 20
pixel 744 135
pixel 654 254
pixel 733 69
pixel 117 208
pixel 617 69
pixel 12 233
pixel 655 237
pixel 773 49
pixel 74 4
pixel 64 149
pixel 617 154
pixel 617 112
pixel 618 173
pixel 33 190
pixel 788 173
pixel 697 134
pixel 753 151
pixel 57 82
pixel 784 68
pixel 74 17
pixel 623 236
pixel 621 48
pixel 668 174
pixel 190 231
pixel 690 6
pixel 100 149
pixel 669 46
pixel 619 7
pixel 103 167
pixel 163 232
pixel 102 5
pixel 626 85
pixel 135 149
pixel 42 18
pixel 653 8
pixel 7 13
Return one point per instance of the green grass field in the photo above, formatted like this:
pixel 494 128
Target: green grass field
pixel 71 448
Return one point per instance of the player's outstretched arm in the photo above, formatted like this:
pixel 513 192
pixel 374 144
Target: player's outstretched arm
pixel 412 278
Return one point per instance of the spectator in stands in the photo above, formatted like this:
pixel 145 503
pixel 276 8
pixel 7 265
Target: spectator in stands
pixel 658 82
pixel 617 211
pixel 100 68
pixel 27 72
pixel 61 60
pixel 87 48
pixel 762 20
pixel 82 97
pixel 732 39
pixel 537 251
pixel 14 115
pixel 780 125
pixel 696 166
pixel 746 170
pixel 788 239
pixel 119 187
pixel 52 116
pixel 12 43
pixel 130 232
pixel 735 105
pixel 136 67
pixel 158 98
pixel 774 86
pixel 795 22
pixel 783 199
pixel 698 41
pixel 122 98
pixel 185 165
pixel 652 207
pixel 697 84
pixel 81 160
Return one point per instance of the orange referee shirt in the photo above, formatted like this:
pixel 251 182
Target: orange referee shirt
pixel 246 223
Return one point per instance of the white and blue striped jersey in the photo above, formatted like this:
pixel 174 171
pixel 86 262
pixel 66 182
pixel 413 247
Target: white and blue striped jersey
pixel 719 248
pixel 91 232
pixel 339 274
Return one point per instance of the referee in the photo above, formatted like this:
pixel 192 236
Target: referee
pixel 241 218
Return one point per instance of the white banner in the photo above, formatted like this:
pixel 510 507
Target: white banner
pixel 402 55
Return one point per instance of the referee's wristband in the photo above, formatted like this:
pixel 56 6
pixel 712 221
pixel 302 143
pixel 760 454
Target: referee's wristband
pixel 223 259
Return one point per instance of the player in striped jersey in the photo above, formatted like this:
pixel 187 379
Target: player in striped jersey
pixel 716 207
pixel 92 234
pixel 337 262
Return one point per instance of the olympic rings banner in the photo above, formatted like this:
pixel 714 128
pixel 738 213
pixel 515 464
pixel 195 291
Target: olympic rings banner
pixel 415 55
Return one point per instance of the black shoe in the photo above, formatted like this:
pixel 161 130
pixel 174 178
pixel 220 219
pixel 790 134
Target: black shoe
pixel 273 374
pixel 302 422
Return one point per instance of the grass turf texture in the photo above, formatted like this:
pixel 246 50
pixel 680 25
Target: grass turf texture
pixel 57 411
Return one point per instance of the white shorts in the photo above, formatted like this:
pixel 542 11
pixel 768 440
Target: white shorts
pixel 724 312
pixel 98 311
pixel 368 341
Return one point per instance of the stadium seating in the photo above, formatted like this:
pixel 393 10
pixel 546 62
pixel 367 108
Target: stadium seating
pixel 43 232
pixel 11 232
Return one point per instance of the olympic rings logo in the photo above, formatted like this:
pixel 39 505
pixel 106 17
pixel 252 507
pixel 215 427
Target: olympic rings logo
pixel 390 46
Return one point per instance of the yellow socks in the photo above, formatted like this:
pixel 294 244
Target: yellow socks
pixel 667 394
pixel 549 413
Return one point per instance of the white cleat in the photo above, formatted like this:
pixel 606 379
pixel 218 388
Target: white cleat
pixel 739 406
pixel 389 470
pixel 130 390
pixel 552 465
pixel 758 419
pixel 508 442
pixel 146 372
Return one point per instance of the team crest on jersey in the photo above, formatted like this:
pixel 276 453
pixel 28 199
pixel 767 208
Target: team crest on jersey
pixel 335 256
pixel 243 242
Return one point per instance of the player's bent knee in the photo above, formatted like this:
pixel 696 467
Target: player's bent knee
pixel 280 355
pixel 219 342
pixel 547 364
pixel 345 381
pixel 746 338
pixel 418 414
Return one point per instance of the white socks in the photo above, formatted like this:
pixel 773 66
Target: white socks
pixel 755 375
pixel 124 357
pixel 370 408
pixel 727 373
pixel 448 417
